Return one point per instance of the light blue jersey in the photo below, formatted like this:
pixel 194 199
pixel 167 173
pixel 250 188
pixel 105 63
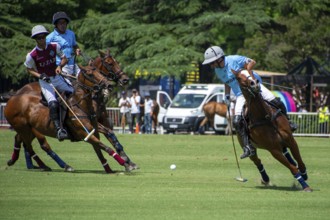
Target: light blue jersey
pixel 67 41
pixel 235 62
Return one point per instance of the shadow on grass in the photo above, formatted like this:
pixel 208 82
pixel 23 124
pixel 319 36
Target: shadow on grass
pixel 280 188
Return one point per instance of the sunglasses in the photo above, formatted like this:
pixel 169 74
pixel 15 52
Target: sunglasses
pixel 41 37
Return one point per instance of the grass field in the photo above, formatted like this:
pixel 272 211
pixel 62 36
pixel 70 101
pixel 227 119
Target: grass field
pixel 202 187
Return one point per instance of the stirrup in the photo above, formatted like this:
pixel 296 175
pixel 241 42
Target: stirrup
pixel 248 152
pixel 62 134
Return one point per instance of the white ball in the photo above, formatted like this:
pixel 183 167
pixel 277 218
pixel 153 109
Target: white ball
pixel 173 167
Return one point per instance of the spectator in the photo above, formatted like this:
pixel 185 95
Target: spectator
pixel 323 119
pixel 135 109
pixel 148 108
pixel 125 115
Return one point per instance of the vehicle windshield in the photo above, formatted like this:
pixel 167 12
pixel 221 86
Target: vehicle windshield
pixel 187 100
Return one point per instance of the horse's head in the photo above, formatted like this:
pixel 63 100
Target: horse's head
pixel 247 81
pixel 108 66
pixel 90 77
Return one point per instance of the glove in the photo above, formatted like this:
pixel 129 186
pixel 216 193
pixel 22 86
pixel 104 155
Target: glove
pixel 227 100
pixel 44 77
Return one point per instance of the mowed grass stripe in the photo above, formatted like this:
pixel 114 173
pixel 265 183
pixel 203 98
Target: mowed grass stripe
pixel 202 186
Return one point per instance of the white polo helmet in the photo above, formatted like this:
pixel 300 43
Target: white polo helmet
pixel 38 29
pixel 213 53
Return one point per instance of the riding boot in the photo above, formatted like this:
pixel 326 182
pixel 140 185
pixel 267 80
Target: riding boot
pixel 54 116
pixel 279 104
pixel 248 148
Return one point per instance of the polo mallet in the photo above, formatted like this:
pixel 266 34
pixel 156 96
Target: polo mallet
pixel 239 178
pixel 89 134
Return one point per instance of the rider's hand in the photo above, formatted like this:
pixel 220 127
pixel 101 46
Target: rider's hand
pixel 58 70
pixel 44 77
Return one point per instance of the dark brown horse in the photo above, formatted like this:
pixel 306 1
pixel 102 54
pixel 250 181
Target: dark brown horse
pixel 30 118
pixel 269 129
pixel 154 116
pixel 109 67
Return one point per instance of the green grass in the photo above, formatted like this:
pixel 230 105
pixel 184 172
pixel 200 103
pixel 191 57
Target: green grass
pixel 202 187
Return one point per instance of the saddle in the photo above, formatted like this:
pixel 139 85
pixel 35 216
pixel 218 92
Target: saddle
pixel 273 116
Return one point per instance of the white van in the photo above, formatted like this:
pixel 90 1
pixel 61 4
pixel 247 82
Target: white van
pixel 185 113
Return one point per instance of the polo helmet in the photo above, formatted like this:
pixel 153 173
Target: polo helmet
pixel 212 54
pixel 38 29
pixel 60 15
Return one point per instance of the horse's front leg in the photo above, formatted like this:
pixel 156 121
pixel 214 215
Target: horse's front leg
pixel 93 140
pixel 277 154
pixel 296 155
pixel 110 135
pixel 264 176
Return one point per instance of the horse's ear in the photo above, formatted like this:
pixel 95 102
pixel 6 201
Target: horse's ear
pixel 108 52
pixel 102 54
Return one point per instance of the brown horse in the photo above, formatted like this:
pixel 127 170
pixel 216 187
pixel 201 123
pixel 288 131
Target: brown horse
pixel 109 67
pixel 212 108
pixel 154 117
pixel 30 118
pixel 269 129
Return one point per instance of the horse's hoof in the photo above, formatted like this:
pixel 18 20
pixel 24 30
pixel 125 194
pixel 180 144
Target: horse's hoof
pixel 308 189
pixel 128 167
pixel 68 168
pixel 135 167
pixel 266 183
pixel 11 162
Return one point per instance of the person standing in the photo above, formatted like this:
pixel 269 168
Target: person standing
pixel 40 63
pixel 67 40
pixel 135 109
pixel 125 115
pixel 323 112
pixel 148 108
pixel 223 66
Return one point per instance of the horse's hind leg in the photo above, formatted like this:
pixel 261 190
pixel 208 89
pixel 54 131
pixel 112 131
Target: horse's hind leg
pixel 15 155
pixel 264 176
pixel 46 147
pixel 294 170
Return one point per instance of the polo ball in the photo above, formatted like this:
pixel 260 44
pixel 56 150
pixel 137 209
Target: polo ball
pixel 173 167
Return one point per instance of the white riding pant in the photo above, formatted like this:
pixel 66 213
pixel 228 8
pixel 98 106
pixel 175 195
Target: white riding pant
pixel 240 100
pixel 59 83
pixel 71 69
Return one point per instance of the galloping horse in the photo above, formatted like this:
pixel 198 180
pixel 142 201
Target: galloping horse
pixel 269 129
pixel 210 109
pixel 30 118
pixel 109 67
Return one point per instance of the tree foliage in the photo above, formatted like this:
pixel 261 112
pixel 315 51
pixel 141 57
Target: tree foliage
pixel 163 37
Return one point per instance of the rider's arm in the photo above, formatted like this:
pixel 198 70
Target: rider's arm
pixel 249 64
